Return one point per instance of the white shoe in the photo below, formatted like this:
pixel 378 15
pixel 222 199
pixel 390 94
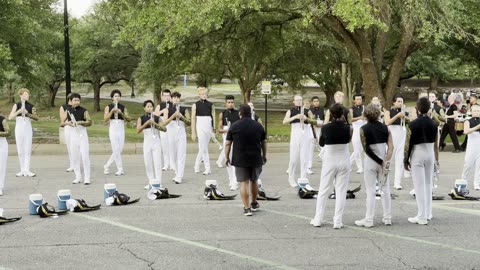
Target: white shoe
pixel 412 192
pixel 106 170
pixel 233 187
pixel 120 172
pixel 407 174
pixel 476 186
pixel 309 171
pixel 76 181
pixel 416 220
pixel 1 192
pixel 147 187
pixel 29 174
pixel 20 174
pixel 207 172
pixel 219 164
pixel 315 223
pixel 338 226
pixel 87 182
pixel 165 168
pixel 287 171
pixel 397 187
pixel 292 183
pixel 359 171
pixel 387 221
pixel 70 169
pixel 196 169
pixel 178 181
pixel 364 223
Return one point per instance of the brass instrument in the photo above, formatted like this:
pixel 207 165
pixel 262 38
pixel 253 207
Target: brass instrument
pixel 74 122
pixel 177 110
pixel 383 180
pixel 436 172
pixel 115 115
pixel 402 120
pixel 152 126
pixel 214 139
pixel 23 110
pixel 302 120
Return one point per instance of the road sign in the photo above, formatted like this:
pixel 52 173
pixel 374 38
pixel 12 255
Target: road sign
pixel 266 87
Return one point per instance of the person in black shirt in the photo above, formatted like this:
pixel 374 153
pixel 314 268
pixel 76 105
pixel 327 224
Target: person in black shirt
pixel 339 97
pixel 160 110
pixel 336 165
pixel 249 154
pixel 319 116
pixel 421 152
pixel 4 132
pixel 471 128
pixel 357 121
pixel 24 112
pixel 67 131
pixel 449 127
pixel 115 114
pixel 225 120
pixel 78 118
pixel 378 145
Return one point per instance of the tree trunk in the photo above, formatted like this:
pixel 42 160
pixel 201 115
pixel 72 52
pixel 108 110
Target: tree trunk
pixel 52 93
pixel 433 82
pixel 329 100
pixel 157 92
pixel 344 79
pixel 371 82
pixel 96 96
pixel 132 86
pixel 11 93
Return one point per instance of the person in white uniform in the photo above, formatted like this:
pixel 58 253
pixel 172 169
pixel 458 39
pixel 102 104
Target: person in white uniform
pixel 378 145
pixel 151 126
pixel 67 130
pixel 471 128
pixel 202 128
pixel 116 114
pixel 4 133
pixel 225 119
pixel 78 118
pixel 336 166
pixel 165 104
pixel 357 122
pixel 319 116
pixel 421 152
pixel 177 136
pixel 297 117
pixel 24 112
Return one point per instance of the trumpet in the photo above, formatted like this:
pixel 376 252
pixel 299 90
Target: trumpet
pixel 214 139
pixel 23 110
pixel 177 110
pixel 74 122
pixel 115 115
pixel 302 120
pixel 402 120
pixel 383 180
pixel 436 172
pixel 152 126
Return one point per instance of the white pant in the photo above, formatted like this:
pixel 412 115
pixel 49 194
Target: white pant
pixel 204 134
pixel 421 163
pixel 23 139
pixel 116 133
pixel 314 146
pixel 299 150
pixel 221 157
pixel 80 148
pixel 373 171
pixel 336 166
pixel 165 147
pixel 230 169
pixel 357 145
pixel 3 161
pixel 67 132
pixel 398 137
pixel 177 138
pixel 471 168
pixel 152 155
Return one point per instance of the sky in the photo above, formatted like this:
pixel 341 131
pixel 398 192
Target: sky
pixel 78 8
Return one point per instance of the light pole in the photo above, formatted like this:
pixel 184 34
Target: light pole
pixel 68 79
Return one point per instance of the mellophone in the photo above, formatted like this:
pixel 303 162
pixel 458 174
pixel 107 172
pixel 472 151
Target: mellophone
pixel 459 121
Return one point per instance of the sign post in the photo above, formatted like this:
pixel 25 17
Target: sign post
pixel 266 90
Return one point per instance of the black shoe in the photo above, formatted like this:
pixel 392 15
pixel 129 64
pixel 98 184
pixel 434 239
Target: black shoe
pixel 255 206
pixel 442 146
pixel 456 151
pixel 247 212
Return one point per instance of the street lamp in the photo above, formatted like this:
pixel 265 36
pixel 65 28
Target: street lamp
pixel 68 79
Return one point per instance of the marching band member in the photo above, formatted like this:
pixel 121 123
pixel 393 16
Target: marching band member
pixel 4 132
pixel 78 118
pixel 24 112
pixel 177 136
pixel 309 137
pixel 449 127
pixel 150 124
pixel 357 121
pixel 297 117
pixel 116 114
pixel 421 152
pixel 339 97
pixel 165 104
pixel 319 115
pixel 67 130
pixel 225 120
pixel 336 135
pixel 471 128
pixel 396 119
pixel 202 126
pixel 378 145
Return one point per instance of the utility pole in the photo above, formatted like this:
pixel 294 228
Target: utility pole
pixel 68 79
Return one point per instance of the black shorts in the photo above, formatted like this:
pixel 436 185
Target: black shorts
pixel 249 173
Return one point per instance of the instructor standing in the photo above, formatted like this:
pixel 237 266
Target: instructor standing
pixel 249 154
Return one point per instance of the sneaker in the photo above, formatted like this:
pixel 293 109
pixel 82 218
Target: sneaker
pixel 254 206
pixel 287 171
pixel 120 172
pixel 309 171
pixel 20 174
pixel 1 192
pixel 359 171
pixel 105 170
pixel 147 187
pixel 219 164
pixel 338 225
pixel 292 183
pixel 234 187
pixel 247 212
pixel 315 223
pixel 69 169
pixel 397 187
pixel 364 223
pixel 476 186
pixel 407 174
pixel 165 168
pixel 207 172
pixel 76 181
pixel 416 220
pixel 29 174
pixel 196 169
pixel 387 221
pixel 87 182
pixel 178 181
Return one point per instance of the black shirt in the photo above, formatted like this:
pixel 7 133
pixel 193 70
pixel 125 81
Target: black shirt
pixel 423 130
pixel 77 112
pixel 163 105
pixel 345 114
pixel 121 107
pixel 28 107
pixel 375 132
pixel 147 117
pixel 296 110
pixel 318 113
pixel 336 132
pixel 172 109
pixel 203 108
pixel 450 111
pixel 474 121
pixel 247 136
pixel 1 124
pixel 395 111
pixel 230 115
pixel 357 111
